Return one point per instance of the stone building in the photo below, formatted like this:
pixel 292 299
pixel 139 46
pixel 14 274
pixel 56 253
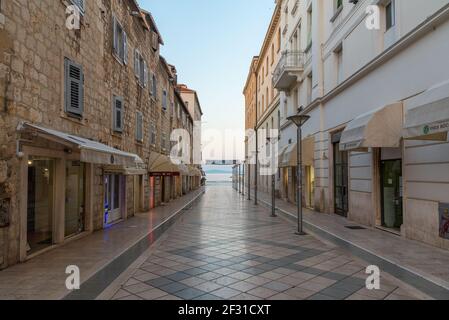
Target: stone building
pixel 83 113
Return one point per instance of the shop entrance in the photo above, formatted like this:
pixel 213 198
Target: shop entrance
pixel 40 203
pixel 391 188
pixel 113 191
pixel 310 186
pixel 74 198
pixel 341 181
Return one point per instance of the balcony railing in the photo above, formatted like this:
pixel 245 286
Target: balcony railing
pixel 291 63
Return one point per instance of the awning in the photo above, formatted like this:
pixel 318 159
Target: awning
pixel 288 156
pixel 427 115
pixel 127 171
pixel 184 169
pixel 160 165
pixel 195 172
pixel 381 128
pixel 90 151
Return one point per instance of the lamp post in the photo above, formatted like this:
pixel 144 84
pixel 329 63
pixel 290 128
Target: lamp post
pixel 299 120
pixel 273 179
pixel 239 179
pixel 249 178
pixel 243 178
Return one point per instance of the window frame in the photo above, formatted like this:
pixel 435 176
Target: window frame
pixel 392 15
pixel 119 48
pixel 139 126
pixel 115 128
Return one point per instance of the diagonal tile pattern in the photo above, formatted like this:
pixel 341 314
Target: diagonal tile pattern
pixel 227 248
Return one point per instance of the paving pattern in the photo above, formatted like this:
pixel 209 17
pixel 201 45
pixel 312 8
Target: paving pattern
pixel 226 248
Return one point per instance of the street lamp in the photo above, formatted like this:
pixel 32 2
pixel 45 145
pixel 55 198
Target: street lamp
pixel 273 178
pixel 299 120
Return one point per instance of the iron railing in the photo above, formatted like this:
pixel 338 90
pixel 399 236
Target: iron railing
pixel 290 61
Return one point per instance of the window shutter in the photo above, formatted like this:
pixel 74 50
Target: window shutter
pixel 74 81
pixel 164 100
pixel 136 63
pixel 125 48
pixel 115 36
pixel 139 124
pixel 145 74
pixel 155 41
pixel 150 79
pixel 155 86
pixel 118 114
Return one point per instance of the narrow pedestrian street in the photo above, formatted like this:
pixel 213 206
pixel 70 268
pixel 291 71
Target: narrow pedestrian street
pixel 225 247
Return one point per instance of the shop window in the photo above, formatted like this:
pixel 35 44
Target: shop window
pixel 120 42
pixel 118 114
pixel 74 88
pixel 40 204
pixel 74 198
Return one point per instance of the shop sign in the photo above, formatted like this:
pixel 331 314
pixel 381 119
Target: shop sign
pixel 164 174
pixel 444 220
pixel 435 128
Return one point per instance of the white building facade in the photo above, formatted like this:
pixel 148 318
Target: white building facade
pixel 375 82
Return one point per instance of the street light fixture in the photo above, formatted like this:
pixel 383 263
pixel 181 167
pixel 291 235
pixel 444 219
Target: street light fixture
pixel 273 179
pixel 299 120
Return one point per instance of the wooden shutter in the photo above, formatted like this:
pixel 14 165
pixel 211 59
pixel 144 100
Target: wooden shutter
pixel 155 41
pixel 125 48
pixel 115 36
pixel 136 63
pixel 145 74
pixel 150 79
pixel 139 126
pixel 118 113
pixel 74 82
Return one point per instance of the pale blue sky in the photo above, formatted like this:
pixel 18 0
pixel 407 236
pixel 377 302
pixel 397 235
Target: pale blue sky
pixel 211 43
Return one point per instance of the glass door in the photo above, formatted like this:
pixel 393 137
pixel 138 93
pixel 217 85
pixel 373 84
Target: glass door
pixel 341 181
pixel 74 198
pixel 112 198
pixel 391 187
pixel 40 203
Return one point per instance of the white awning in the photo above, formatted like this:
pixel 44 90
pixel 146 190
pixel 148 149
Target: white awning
pixel 381 128
pixel 289 154
pixel 427 115
pixel 90 151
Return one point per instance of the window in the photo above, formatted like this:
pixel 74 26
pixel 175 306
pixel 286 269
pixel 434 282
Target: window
pixel 153 134
pixel 78 3
pixel 266 70
pixel 74 87
pixel 272 53
pixel 139 126
pixel 390 15
pixel 179 111
pixel 118 114
pixel 120 42
pixel 154 86
pixel 164 100
pixel 140 69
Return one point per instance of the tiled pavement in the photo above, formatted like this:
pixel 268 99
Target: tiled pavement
pixel 226 248
pixel 44 277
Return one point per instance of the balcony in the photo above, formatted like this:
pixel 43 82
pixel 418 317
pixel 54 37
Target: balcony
pixel 288 70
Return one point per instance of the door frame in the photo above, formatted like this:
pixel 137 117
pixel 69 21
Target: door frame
pixel 121 197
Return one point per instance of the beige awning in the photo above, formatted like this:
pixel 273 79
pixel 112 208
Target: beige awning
pixel 127 171
pixel 184 169
pixel 427 115
pixel 288 156
pixel 160 163
pixel 381 128
pixel 90 151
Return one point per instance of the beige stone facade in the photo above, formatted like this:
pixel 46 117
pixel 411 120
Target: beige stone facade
pixel 37 53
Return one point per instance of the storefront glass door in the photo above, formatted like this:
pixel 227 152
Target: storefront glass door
pixel 40 204
pixel 341 180
pixel 74 198
pixel 391 186
pixel 112 198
